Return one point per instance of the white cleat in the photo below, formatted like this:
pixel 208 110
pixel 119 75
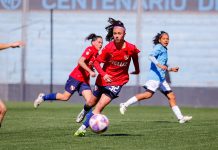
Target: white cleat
pixel 81 116
pixel 39 100
pixel 185 119
pixel 123 108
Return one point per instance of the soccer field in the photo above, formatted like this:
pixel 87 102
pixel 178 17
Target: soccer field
pixel 52 125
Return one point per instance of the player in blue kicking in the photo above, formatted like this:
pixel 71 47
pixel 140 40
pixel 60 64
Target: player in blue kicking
pixel 156 78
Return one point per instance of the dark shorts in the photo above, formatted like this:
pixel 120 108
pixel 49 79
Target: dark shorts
pixel 111 91
pixel 73 85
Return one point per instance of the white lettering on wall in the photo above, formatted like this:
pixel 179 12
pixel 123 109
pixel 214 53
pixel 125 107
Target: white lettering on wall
pixel 203 6
pixel 94 4
pixel 62 4
pixel 107 5
pixel 110 5
pixel 81 3
pixel 46 5
pixel 127 4
pixel 155 3
pixel 180 7
pixel 11 4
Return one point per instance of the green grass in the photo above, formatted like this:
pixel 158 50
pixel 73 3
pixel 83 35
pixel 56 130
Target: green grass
pixel 52 125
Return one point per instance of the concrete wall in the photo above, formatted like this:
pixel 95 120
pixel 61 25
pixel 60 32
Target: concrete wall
pixel 186 96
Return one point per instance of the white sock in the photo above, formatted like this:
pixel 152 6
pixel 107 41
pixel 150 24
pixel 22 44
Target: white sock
pixel 177 112
pixel 131 101
pixel 82 127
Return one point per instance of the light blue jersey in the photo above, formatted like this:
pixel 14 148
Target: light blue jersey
pixel 160 53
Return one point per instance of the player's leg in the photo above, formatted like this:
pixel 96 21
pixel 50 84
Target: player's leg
pixel 91 100
pixel 102 103
pixel 172 101
pixel 3 111
pixel 150 88
pixel 106 94
pixel 97 95
pixel 166 90
pixel 70 87
pixel 65 96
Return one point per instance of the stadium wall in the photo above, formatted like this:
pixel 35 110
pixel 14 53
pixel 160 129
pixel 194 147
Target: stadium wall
pixel 186 96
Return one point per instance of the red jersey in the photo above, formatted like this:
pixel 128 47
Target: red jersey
pixel 116 63
pixel 81 74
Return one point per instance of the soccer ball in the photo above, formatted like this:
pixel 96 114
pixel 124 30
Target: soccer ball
pixel 98 123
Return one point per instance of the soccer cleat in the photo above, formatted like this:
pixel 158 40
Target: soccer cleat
pixel 39 100
pixel 185 119
pixel 80 133
pixel 123 108
pixel 81 116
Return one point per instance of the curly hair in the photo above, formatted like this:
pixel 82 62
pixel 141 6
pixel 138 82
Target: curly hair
pixel 158 37
pixel 109 28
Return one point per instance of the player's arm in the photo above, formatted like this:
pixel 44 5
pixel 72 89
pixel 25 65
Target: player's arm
pixel 174 69
pixel 11 45
pixel 135 59
pixel 102 58
pixel 155 61
pixel 82 63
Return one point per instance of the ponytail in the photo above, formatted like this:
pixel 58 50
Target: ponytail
pixel 93 37
pixel 109 28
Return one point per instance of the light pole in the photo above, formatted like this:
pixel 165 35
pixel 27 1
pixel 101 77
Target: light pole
pixel 25 10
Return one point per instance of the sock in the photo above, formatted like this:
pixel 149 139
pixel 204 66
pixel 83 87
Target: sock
pixel 82 127
pixel 50 97
pixel 87 107
pixel 177 112
pixel 88 116
pixel 131 101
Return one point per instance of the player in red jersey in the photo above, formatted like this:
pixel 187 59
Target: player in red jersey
pixel 79 78
pixel 3 46
pixel 116 57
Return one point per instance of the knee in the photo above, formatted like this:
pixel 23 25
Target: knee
pixel 91 103
pixel 3 110
pixel 172 97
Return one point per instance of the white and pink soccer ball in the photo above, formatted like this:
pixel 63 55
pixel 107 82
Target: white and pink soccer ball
pixel 99 123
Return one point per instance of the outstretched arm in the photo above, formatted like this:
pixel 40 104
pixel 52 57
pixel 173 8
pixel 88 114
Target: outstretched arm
pixel 174 69
pixel 11 45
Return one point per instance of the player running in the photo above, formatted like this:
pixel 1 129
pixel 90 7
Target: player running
pixel 79 78
pixel 156 78
pixel 3 108
pixel 116 57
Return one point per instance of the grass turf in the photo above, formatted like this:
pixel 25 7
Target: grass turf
pixel 52 125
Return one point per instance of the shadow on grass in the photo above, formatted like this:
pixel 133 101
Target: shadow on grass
pixel 121 134
pixel 163 121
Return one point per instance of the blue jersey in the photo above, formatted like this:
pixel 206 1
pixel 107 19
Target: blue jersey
pixel 160 53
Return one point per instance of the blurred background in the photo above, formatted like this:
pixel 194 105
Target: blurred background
pixel 54 32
